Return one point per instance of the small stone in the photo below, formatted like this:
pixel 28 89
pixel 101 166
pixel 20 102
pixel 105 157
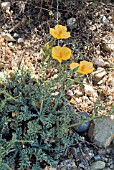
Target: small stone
pixel 81 165
pixel 99 62
pixel 70 93
pixel 5 5
pixel 107 64
pixel 15 35
pixel 82 116
pixel 7 37
pixel 20 40
pixel 104 20
pixel 107 43
pixel 96 158
pixel 97 165
pixel 67 164
pixel 89 90
pixel 71 23
pixel 57 13
pixel 111 166
pixel 110 97
pixel 99 74
pixel 78 93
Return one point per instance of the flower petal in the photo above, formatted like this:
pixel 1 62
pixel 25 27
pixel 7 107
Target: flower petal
pixel 73 65
pixel 66 53
pixel 53 33
pixel 56 53
pixel 65 35
pixel 60 28
pixel 85 67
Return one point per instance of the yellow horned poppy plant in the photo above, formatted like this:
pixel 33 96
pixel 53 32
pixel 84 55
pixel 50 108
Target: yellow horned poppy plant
pixel 59 32
pixel 61 53
pixel 85 67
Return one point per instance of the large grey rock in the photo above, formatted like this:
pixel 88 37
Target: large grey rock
pixel 101 132
pixel 97 165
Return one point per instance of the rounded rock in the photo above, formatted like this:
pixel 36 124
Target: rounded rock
pixel 97 158
pixel 97 165
pixel 82 116
pixel 20 41
pixel 15 35
pixel 5 5
pixel 71 23
pixel 99 62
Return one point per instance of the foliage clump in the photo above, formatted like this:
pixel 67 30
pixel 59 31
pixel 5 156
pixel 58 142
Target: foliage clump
pixel 34 112
pixel 33 121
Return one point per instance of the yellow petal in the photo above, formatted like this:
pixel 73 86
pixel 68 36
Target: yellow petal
pixel 73 65
pixel 56 53
pixel 85 67
pixel 52 31
pixel 61 28
pixel 65 35
pixel 66 53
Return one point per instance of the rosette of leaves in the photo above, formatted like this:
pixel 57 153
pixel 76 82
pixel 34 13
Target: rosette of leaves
pixel 30 111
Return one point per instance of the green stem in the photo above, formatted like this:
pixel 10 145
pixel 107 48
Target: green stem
pixel 84 121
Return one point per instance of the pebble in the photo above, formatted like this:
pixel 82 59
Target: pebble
pixel 99 62
pixel 68 164
pixel 59 15
pixel 5 5
pixel 15 35
pixel 81 165
pixel 81 127
pixel 89 90
pixel 99 74
pixel 97 158
pixel 104 20
pixel 20 41
pixel 8 37
pixel 71 23
pixel 107 64
pixel 78 93
pixel 97 165
pixel 70 93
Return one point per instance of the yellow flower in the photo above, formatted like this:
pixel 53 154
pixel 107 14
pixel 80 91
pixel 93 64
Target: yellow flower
pixel 59 32
pixel 85 67
pixel 61 53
